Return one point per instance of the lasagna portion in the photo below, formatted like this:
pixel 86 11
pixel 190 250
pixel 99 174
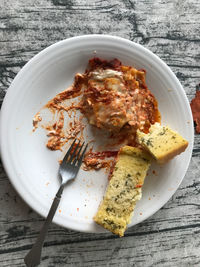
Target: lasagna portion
pixel 115 97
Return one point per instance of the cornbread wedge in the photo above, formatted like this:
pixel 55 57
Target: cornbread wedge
pixel 123 190
pixel 162 142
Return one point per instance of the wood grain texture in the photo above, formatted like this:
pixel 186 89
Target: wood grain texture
pixel 171 29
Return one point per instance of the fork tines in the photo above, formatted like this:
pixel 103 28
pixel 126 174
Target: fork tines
pixel 73 154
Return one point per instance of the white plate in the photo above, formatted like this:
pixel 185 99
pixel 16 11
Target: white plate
pixel 32 168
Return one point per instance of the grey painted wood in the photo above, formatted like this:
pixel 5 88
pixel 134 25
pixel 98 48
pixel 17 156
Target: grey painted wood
pixel 171 29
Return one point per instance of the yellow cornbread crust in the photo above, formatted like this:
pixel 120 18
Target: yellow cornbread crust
pixel 162 142
pixel 123 190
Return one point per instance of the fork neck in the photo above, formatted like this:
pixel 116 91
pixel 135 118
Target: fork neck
pixel 60 190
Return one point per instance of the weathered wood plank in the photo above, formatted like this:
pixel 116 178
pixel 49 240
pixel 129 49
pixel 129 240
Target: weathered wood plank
pixel 171 29
pixel 174 225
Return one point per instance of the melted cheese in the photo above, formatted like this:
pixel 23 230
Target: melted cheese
pixel 101 74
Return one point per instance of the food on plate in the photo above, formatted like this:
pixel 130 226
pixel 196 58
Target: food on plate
pixel 162 142
pixel 98 160
pixel 124 189
pixel 195 106
pixel 115 100
pixel 115 97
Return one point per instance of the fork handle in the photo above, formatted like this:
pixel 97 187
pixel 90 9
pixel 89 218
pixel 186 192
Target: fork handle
pixel 33 257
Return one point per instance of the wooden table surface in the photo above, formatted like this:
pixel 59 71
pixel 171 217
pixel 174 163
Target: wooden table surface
pixel 169 28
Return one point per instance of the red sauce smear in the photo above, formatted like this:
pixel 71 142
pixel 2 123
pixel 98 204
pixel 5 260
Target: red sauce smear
pixel 195 106
pixel 98 160
pixel 138 186
pixel 56 134
pixel 102 154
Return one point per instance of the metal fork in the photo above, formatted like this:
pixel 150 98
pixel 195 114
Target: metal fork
pixel 68 171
